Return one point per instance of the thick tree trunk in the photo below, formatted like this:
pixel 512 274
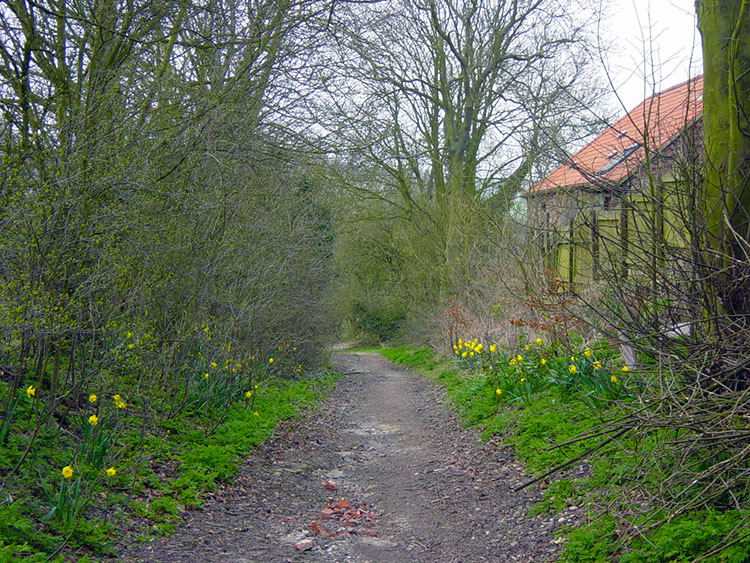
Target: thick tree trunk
pixel 725 31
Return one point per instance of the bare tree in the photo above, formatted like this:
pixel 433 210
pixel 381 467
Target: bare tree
pixel 446 101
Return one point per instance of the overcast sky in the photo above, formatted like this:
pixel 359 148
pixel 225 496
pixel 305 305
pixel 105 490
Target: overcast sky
pixel 655 45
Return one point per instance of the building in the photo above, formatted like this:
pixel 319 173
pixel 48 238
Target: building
pixel 618 201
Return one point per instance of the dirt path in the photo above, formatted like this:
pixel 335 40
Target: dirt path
pixel 410 485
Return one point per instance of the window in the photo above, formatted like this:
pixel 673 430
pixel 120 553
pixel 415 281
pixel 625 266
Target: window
pixel 625 154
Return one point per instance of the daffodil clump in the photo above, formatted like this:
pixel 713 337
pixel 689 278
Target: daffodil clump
pixel 534 366
pixel 525 371
pixel 93 460
pixel 590 376
pixel 74 490
pixel 100 429
pixel 220 380
pixel 222 376
pixel 469 349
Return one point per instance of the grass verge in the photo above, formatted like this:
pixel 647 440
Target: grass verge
pixel 163 469
pixel 541 397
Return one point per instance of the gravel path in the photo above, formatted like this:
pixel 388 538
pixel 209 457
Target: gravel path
pixel 382 472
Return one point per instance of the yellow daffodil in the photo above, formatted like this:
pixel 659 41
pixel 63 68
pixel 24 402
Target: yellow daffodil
pixel 205 375
pixel 596 365
pixel 455 347
pixel 572 370
pixel 270 360
pixel 129 335
pixel 120 404
pixel 519 357
pixel 116 398
pixel 248 394
pixel 543 362
pixel 512 362
pixel 538 341
pixel 498 391
pixel 471 353
pixel 624 369
pixel 613 378
pixel 213 365
pixel 572 358
pixel 479 347
pixel 527 348
pixel 111 472
pixel 587 353
pixel 493 348
pixel 460 342
pixel 131 346
pixel 523 380
pixel 92 398
pixel 67 472
pixel 93 420
pixel 464 353
pixel 455 352
pixel 31 391
pixel 256 413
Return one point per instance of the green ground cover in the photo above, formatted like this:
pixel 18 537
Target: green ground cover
pixel 84 480
pixel 555 405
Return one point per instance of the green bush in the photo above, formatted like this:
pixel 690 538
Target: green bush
pixel 376 320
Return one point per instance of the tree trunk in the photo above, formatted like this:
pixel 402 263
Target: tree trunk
pixel 725 31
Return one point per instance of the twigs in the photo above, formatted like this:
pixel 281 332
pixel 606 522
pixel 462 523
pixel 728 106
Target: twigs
pixel 573 460
pixel 582 438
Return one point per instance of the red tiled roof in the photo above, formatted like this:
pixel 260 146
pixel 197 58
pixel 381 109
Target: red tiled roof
pixel 612 156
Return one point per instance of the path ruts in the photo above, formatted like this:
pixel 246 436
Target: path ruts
pixel 382 472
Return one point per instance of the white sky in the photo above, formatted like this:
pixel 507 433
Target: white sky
pixel 654 45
